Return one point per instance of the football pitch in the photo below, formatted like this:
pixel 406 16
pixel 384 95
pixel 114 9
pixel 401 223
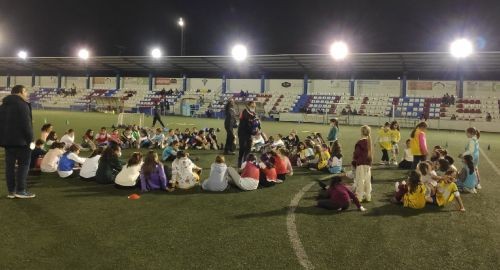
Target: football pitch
pixel 79 225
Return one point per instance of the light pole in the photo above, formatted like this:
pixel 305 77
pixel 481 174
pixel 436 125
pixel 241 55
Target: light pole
pixel 181 24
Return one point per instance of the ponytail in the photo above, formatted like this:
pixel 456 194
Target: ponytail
pixel 412 135
pixel 469 163
pixel 419 126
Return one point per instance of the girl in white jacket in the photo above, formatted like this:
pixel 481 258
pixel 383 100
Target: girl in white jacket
pixel 128 177
pixel 217 181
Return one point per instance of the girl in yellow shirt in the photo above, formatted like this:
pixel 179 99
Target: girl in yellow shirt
pixel 395 138
pixel 411 195
pixel 384 141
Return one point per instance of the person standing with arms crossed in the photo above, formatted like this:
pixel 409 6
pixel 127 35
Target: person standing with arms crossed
pixel 16 136
pixel 249 125
pixel 230 122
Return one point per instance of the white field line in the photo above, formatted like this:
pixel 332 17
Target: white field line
pixel 495 168
pixel 293 235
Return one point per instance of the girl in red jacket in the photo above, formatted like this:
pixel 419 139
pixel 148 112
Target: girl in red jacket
pixel 362 161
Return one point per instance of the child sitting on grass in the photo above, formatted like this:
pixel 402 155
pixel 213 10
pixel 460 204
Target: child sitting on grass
pixel 321 157
pixel 36 154
pixel 88 140
pixel 279 164
pixel 335 161
pixel 69 161
pixel 185 174
pixel 217 181
pixel 51 160
pixel 157 141
pixel 89 167
pixel 411 195
pixel 446 192
pixel 109 164
pixel 102 138
pixel 428 177
pixel 304 154
pixel 69 138
pixel 51 138
pixel 170 152
pixel 128 177
pixel 407 161
pixel 467 178
pixel 268 176
pixel 115 138
pixel 284 153
pixel 249 179
pixel 337 196
pixel 152 174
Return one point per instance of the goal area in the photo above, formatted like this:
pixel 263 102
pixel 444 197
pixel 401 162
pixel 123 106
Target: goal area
pixel 130 119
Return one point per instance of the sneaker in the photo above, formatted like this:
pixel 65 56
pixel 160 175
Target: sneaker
pixel 478 186
pixel 278 181
pixel 381 163
pixel 11 195
pixel 25 195
pixel 396 186
pixel 395 163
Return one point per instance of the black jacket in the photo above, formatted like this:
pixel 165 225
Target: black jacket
pixel 16 122
pixel 230 118
pixel 245 127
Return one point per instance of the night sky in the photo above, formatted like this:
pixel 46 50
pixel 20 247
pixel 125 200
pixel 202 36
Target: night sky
pixel 109 27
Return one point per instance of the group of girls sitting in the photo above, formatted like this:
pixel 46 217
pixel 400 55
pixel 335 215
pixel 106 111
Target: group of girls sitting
pixel 189 139
pixel 270 169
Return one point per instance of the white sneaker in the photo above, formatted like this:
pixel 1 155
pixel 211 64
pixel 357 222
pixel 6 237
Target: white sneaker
pixel 382 163
pixel 395 163
pixel 396 186
pixel 11 196
pixel 279 181
pixel 478 186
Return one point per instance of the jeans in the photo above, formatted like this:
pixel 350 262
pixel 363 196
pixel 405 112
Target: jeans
pixel 16 180
pixel 245 147
pixel 416 160
pixel 229 147
pixel 385 155
pixel 157 118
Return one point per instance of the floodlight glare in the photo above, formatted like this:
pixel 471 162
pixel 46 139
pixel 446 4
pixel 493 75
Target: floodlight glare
pixel 156 53
pixel 339 50
pixel 239 52
pixel 461 48
pixel 83 54
pixel 180 22
pixel 22 54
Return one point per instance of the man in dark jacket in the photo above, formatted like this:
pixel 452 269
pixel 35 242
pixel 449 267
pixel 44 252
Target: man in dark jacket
pixel 16 136
pixel 157 116
pixel 230 123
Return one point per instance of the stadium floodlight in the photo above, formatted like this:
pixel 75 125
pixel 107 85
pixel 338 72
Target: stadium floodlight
pixel 461 48
pixel 239 52
pixel 156 53
pixel 83 54
pixel 22 54
pixel 339 50
pixel 180 22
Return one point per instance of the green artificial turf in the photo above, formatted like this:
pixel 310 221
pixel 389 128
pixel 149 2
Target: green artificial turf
pixel 77 225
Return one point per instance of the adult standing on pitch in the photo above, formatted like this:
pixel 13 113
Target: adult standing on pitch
pixel 157 116
pixel 16 136
pixel 230 122
pixel 249 125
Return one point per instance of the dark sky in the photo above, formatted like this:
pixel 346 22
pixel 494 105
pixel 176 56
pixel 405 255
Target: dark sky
pixel 109 27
